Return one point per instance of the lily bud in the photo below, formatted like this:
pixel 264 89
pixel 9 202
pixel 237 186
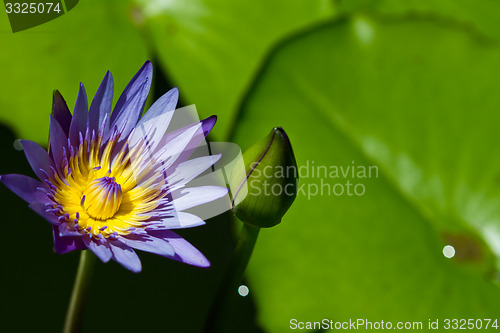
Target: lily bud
pixel 269 186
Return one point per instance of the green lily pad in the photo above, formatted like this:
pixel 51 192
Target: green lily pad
pixel 415 99
pixel 79 46
pixel 212 49
pixel 471 14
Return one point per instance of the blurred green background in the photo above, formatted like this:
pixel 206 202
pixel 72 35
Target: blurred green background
pixel 410 87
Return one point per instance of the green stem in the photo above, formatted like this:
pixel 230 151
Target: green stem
pixel 73 323
pixel 227 290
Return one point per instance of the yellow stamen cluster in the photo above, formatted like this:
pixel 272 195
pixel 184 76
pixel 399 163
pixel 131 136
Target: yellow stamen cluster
pixel 99 193
pixel 102 198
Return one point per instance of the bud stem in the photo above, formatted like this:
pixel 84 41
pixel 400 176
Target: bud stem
pixel 224 298
pixel 73 322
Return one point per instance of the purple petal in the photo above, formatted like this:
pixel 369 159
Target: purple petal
pixel 60 111
pixel 185 141
pixel 66 244
pixel 165 104
pixel 37 158
pixel 149 244
pixel 184 251
pixel 101 250
pixel 187 171
pixel 170 151
pixel 207 125
pixel 80 114
pixel 181 221
pixel 101 104
pixel 131 103
pixel 153 125
pixel 125 256
pixel 195 196
pixel 58 140
pixel 65 230
pixel 25 187
pixel 41 210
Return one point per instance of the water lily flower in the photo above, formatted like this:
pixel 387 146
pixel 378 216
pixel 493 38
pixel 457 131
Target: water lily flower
pixel 112 182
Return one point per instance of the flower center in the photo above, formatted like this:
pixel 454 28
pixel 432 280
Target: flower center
pixel 102 198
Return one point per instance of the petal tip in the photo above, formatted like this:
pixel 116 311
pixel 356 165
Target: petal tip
pixel 148 67
pixel 208 124
pixel 108 77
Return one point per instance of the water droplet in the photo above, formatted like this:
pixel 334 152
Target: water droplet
pixel 449 251
pixel 17 145
pixel 243 290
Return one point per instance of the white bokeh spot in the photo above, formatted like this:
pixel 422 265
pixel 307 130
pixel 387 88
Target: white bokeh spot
pixel 449 251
